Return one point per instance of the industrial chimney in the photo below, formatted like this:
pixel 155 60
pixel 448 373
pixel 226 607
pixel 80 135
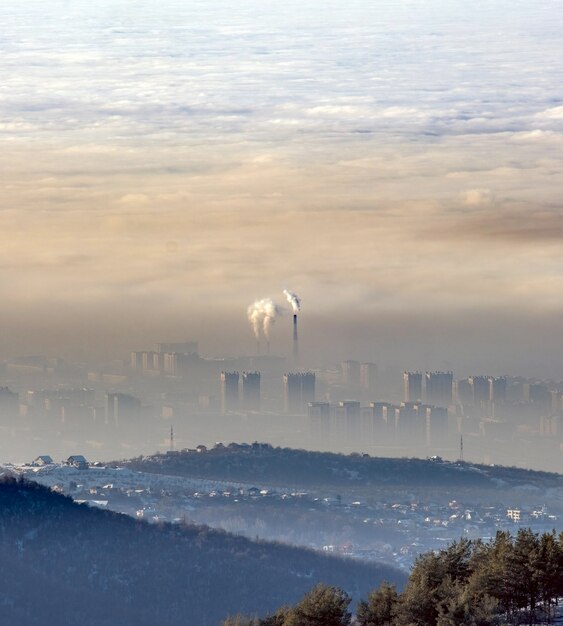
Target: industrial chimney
pixel 295 340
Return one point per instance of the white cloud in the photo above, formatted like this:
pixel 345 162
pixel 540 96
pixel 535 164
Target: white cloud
pixel 477 197
pixel 331 139
pixel 554 113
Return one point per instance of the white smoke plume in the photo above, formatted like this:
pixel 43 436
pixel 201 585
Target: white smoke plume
pixel 294 300
pixel 262 314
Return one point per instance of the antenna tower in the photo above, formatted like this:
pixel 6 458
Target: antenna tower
pixel 461 448
pixel 171 439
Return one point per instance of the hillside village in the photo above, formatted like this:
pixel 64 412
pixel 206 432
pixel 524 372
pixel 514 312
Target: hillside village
pixel 391 525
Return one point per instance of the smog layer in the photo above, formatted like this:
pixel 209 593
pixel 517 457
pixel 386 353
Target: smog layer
pixel 397 163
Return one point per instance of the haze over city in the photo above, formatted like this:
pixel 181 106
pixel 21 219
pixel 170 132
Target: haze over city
pixel 396 163
pixel 281 320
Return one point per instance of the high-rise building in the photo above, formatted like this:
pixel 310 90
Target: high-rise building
pixel 464 393
pixel 548 426
pixel 319 410
pixel 410 424
pixel 187 365
pixel 349 409
pixel 498 390
pixel 229 391
pixel 378 409
pixel 368 376
pixel 350 373
pixel 555 402
pixel 181 347
pixel 412 386
pixel 384 417
pixel 122 409
pixel 251 391
pixel 540 397
pixel 347 417
pixel 170 363
pixel 298 391
pixel 307 389
pixel 481 389
pixel 136 360
pixel 145 360
pixel 439 388
pixel 292 393
pixel 319 418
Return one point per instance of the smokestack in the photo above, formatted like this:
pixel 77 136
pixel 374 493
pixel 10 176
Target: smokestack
pixel 295 302
pixel 295 341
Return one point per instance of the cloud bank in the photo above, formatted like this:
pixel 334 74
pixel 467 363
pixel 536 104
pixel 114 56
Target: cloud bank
pixel 404 156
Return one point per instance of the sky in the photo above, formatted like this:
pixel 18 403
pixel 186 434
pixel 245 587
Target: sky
pixel 398 164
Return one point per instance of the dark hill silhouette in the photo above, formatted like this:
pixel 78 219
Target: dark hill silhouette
pixel 289 467
pixel 65 563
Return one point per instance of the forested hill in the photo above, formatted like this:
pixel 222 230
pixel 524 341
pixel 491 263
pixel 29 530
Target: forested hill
pixel 65 563
pixel 288 467
pixel 510 580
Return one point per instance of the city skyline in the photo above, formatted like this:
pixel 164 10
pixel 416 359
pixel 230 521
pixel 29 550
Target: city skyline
pixel 60 407
pixel 281 306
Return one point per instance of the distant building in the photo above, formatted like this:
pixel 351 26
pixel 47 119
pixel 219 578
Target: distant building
pixel 180 347
pixel 549 425
pixel 517 391
pixel 368 376
pixel 555 401
pixel 319 410
pixel 347 417
pixel 350 409
pixel 307 389
pixel 145 360
pixel 379 408
pixel 42 460
pixel 78 461
pixel 136 360
pixel 412 386
pixel 122 409
pixel 292 393
pixel 181 364
pixel 229 391
pixel 464 393
pixel 439 388
pixel 481 388
pixel 410 424
pixel 169 362
pixel 384 417
pixel 514 515
pixel 298 392
pixel 351 371
pixel 319 418
pixel 498 390
pixel 540 397
pixel 251 391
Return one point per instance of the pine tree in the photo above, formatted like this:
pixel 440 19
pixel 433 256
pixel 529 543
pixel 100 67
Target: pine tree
pixel 379 610
pixel 322 606
pixel 418 604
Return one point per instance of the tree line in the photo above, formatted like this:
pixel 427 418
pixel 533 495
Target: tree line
pixel 508 580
